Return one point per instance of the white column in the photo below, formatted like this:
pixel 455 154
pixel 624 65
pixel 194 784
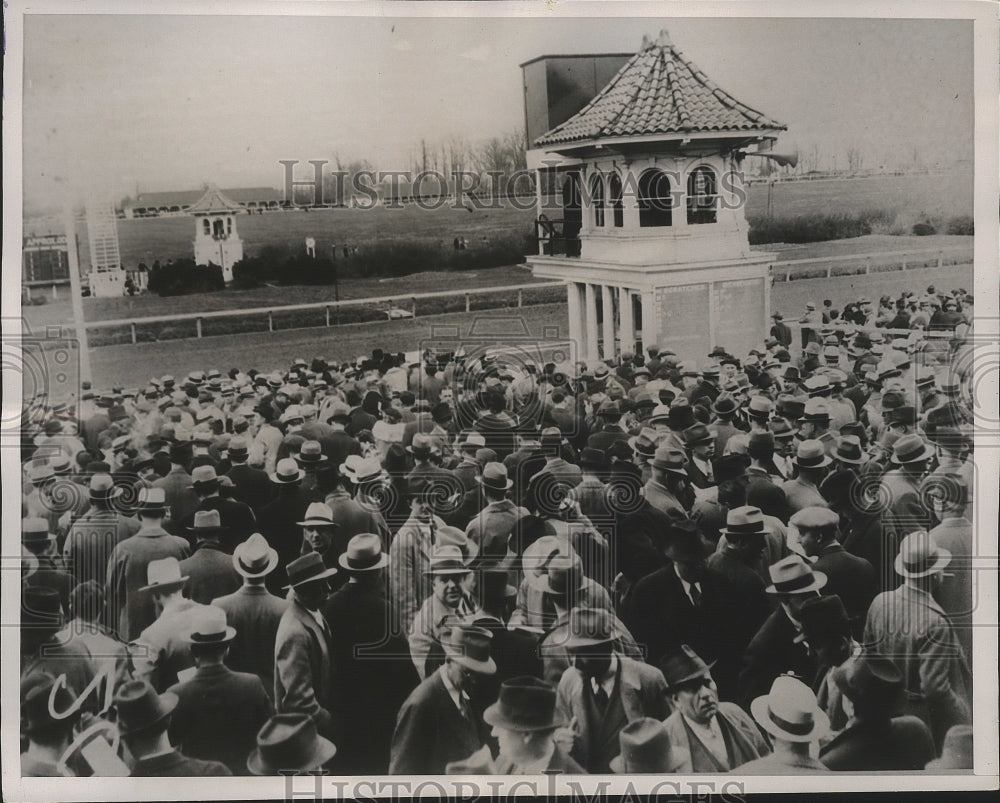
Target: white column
pixel 590 310
pixel 650 325
pixel 608 301
pixel 626 325
pixel 576 333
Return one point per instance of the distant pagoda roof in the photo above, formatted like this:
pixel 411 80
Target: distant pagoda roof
pixel 658 92
pixel 214 201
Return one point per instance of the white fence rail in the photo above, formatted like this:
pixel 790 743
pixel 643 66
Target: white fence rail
pixel 787 269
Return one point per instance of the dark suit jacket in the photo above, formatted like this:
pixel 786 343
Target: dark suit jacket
pixel 218 715
pixel 602 440
pixel 278 525
pixel 696 475
pixel 253 487
pixel 431 731
pixel 865 537
pixel 181 498
pixel 176 764
pixel 210 573
pixel 661 617
pixel 902 743
pixel 372 677
pixel 852 579
pixel 770 653
pixel 255 613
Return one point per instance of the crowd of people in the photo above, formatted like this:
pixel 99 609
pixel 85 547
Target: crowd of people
pixel 448 563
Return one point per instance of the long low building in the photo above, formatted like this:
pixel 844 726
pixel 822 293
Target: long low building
pixel 157 204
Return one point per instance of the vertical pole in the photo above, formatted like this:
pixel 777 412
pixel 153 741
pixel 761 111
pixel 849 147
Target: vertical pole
pixel 577 335
pixel 904 260
pixel 197 326
pixel 940 258
pixel 270 321
pixel 626 320
pixel 414 307
pixel 607 299
pixel 132 327
pixel 520 299
pixel 590 311
pixel 650 326
pixel 468 301
pixel 75 293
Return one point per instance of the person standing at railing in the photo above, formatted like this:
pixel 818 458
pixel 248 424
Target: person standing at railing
pixel 811 321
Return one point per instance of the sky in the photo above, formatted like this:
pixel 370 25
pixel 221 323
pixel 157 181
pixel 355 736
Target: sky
pixel 174 102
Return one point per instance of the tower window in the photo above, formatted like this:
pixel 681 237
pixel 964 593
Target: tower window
pixel 597 199
pixel 655 200
pixel 702 196
pixel 617 210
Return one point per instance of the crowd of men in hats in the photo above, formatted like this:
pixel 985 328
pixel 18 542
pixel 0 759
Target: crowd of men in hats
pixel 436 564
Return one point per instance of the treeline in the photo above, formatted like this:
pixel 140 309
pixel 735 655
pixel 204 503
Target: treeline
pixel 182 276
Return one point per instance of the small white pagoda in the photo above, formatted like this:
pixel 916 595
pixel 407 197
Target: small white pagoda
pixel 216 241
pixel 652 239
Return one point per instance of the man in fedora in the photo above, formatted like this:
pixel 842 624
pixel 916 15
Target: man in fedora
pixel 320 534
pixel 437 724
pixel 811 462
pixel 950 496
pixel 561 471
pixel 826 632
pixel 279 518
pixel 449 599
pixel 602 691
pixel 780 330
pixel 716 736
pixel 911 457
pixel 524 721
pixel 236 518
pixel 181 497
pixel 467 469
pixel 699 441
pixel 493 525
pixel 42 648
pixel 143 720
pixel 218 710
pixel 303 678
pixel 373 673
pixel 741 547
pixel 909 626
pixel 790 716
pixel 38 541
pixel 209 569
pixel 668 488
pixel 93 535
pixel 160 652
pixel 774 649
pixel 726 409
pixel 253 611
pixel 814 424
pixel 875 738
pixel 646 749
pixel 609 414
pixel 84 628
pixel 688 603
pixel 289 743
pixel 252 484
pixel 129 609
pixel 359 513
pixel 847 576
pixel 48 736
pixel 410 553
pixel 554 582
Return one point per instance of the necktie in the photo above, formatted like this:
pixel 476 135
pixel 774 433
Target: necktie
pixel 695 595
pixel 600 697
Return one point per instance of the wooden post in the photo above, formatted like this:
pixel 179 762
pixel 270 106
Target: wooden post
pixel 868 265
pixel 414 307
pixel 904 260
pixel 468 301
pixel 132 327
pixel 940 258
pixel 197 323
pixel 327 315
pixel 829 270
pixel 55 292
pixel 270 321
pixel 520 298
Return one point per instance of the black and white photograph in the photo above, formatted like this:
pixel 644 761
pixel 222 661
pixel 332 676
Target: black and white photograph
pixel 436 398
